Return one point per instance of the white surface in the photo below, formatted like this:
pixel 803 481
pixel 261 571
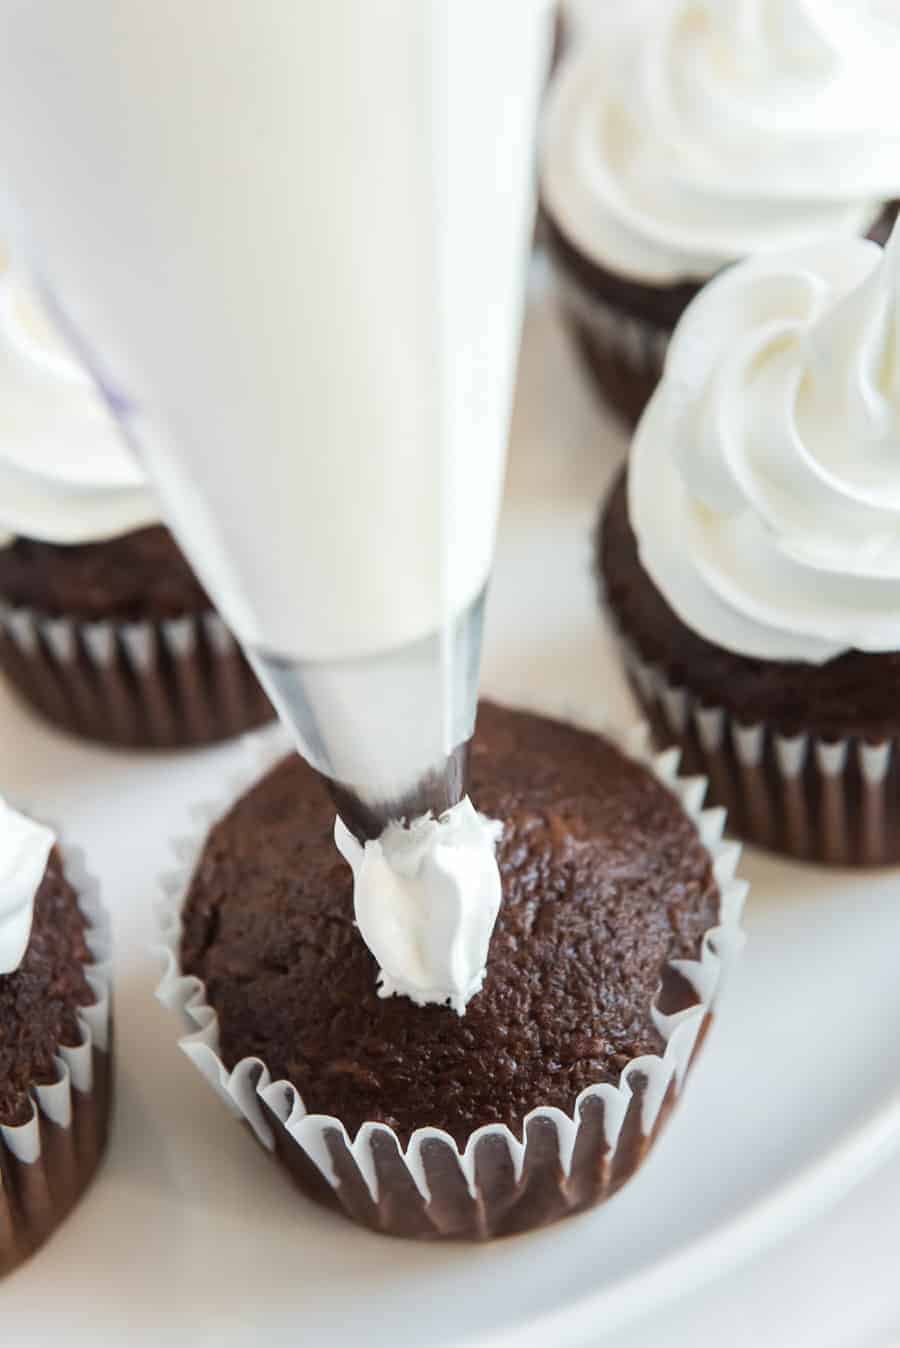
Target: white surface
pixel 190 1227
pixel 833 1285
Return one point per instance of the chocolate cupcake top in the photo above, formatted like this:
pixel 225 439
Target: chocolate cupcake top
pixel 40 998
pixel 139 576
pixel 604 882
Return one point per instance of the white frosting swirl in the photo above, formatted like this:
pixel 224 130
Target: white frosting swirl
pixel 65 474
pixel 764 486
pixel 426 897
pixel 24 849
pixel 691 133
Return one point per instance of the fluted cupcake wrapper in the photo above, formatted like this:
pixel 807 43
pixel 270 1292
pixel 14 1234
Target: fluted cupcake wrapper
pixel 830 800
pixel 48 1162
pixel 498 1183
pixel 168 684
pixel 625 354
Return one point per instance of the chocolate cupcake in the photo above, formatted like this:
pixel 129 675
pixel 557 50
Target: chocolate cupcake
pixel 752 566
pixel 619 911
pixel 103 627
pixel 685 136
pixel 55 1034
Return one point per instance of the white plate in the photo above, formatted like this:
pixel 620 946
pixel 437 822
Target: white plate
pixel 190 1226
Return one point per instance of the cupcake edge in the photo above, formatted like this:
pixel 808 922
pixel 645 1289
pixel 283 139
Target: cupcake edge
pixel 623 353
pixel 498 1183
pixel 828 799
pixel 167 684
pixel 47 1163
pixel 804 796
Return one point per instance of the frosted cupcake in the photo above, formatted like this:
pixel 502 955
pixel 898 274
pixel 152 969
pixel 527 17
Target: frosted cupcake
pixel 752 565
pixel 688 134
pixel 54 1034
pixel 104 629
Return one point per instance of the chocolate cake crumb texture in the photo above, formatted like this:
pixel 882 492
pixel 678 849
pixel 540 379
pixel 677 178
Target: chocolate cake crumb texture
pixel 139 576
pixel 39 1001
pixel 604 881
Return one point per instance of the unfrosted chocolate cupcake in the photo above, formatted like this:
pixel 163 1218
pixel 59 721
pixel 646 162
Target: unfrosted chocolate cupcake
pixel 750 564
pixel 54 1036
pixel 103 627
pixel 653 179
pixel 572 1042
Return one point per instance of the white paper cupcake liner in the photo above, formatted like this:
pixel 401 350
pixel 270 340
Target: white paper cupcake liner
pixel 182 681
pixel 499 1182
pixel 835 801
pixel 625 354
pixel 47 1162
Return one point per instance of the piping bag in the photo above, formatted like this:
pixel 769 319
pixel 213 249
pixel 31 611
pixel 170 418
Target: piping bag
pixel 289 240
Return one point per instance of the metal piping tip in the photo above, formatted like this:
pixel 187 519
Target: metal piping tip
pixel 378 729
pixel 437 792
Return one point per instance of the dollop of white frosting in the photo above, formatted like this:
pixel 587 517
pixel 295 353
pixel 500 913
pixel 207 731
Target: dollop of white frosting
pixel 24 849
pixel 690 133
pixel 66 475
pixel 764 484
pixel 426 897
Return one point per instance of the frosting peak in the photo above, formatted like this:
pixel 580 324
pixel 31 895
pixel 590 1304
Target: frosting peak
pixel 65 474
pixel 24 849
pixel 860 333
pixel 426 897
pixel 691 133
pixel 765 480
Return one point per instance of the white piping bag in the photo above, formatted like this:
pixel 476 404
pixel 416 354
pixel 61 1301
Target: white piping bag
pixel 289 240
